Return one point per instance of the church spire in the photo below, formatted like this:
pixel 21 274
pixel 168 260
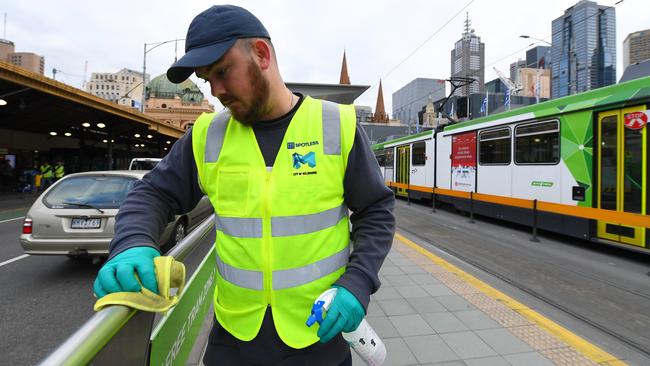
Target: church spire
pixel 345 78
pixel 380 111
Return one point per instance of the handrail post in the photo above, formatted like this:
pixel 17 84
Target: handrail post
pixel 534 237
pixel 471 207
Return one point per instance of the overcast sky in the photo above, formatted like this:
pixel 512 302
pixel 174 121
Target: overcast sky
pixel 309 36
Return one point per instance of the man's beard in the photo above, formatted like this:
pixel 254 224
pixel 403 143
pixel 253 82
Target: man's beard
pixel 255 109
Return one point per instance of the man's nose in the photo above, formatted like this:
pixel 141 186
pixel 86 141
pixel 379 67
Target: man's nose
pixel 217 88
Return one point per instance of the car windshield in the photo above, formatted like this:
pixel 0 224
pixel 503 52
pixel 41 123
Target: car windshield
pixel 96 192
pixel 143 164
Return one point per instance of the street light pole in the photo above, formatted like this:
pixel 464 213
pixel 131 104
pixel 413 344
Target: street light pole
pixel 144 73
pixel 144 66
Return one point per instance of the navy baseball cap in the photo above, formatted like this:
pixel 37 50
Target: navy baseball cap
pixel 210 36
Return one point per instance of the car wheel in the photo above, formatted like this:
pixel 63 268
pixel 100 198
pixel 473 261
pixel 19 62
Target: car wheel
pixel 177 235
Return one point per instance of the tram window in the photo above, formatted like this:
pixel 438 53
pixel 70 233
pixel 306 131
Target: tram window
pixel 419 153
pixel 381 157
pixel 389 157
pixel 494 147
pixel 537 143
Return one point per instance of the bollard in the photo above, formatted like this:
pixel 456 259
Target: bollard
pixel 433 201
pixel 534 237
pixel 471 207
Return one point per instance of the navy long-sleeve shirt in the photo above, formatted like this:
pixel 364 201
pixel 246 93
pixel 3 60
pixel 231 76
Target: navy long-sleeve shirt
pixel 172 187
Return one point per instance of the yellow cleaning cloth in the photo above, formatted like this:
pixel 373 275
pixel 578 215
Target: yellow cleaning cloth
pixel 170 275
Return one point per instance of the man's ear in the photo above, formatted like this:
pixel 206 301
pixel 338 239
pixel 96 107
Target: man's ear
pixel 262 53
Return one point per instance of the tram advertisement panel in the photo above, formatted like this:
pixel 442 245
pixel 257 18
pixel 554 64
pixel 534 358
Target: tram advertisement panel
pixel 463 161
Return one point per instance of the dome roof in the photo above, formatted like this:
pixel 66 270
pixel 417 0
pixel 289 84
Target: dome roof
pixel 161 87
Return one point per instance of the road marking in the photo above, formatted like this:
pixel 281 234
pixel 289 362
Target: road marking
pixel 15 218
pixel 14 259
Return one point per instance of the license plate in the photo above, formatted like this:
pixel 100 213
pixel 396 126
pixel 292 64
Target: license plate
pixel 86 223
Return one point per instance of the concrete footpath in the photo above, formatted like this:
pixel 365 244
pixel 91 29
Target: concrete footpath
pixel 430 312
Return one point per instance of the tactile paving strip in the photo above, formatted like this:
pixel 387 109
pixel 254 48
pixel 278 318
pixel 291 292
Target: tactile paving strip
pixel 567 356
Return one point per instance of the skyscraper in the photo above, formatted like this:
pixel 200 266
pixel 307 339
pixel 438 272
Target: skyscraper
pixel 468 61
pixel 539 57
pixel 584 49
pixel 636 47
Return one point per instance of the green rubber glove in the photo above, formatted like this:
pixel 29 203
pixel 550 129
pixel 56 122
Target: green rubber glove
pixel 118 274
pixel 344 315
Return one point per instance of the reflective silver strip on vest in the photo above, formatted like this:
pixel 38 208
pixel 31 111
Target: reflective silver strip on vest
pixel 305 224
pixel 240 227
pixel 240 277
pixel 216 134
pixel 331 128
pixel 302 275
pixel 286 278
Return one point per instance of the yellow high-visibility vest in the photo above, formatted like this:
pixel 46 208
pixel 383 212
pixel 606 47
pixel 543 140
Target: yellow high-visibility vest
pixel 282 234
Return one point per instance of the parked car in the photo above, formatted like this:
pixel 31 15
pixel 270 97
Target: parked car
pixel 76 215
pixel 143 163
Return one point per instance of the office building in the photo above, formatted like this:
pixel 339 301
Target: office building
pixel 539 57
pixel 584 49
pixel 636 47
pixel 468 61
pixel 514 70
pixel 26 60
pixel 410 98
pixel 123 87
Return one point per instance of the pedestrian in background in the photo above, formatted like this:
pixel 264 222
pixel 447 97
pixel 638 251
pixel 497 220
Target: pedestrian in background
pixel 59 170
pixel 47 173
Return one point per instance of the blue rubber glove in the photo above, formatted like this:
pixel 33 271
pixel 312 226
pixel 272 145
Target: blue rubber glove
pixel 344 315
pixel 118 274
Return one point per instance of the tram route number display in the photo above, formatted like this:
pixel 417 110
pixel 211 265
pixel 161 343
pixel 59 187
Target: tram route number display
pixel 463 161
pixel 636 120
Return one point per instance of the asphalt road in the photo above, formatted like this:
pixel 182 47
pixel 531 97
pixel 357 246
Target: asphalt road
pixel 599 292
pixel 44 298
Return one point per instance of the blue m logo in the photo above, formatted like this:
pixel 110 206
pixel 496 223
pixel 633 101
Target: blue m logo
pixel 300 160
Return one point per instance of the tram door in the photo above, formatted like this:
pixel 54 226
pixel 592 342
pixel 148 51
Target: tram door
pixel 403 167
pixel 622 175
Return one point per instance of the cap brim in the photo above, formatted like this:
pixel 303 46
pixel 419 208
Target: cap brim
pixel 197 57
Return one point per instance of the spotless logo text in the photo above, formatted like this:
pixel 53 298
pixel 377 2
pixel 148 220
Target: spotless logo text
pixel 294 145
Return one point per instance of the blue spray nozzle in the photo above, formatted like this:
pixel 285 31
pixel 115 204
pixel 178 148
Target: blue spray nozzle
pixel 316 313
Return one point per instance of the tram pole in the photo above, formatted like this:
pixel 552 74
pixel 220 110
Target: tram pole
pixel 534 237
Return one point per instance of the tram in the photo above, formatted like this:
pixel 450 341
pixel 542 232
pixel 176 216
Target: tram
pixel 587 150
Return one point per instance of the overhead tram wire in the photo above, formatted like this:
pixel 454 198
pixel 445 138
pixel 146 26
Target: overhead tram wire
pixel 421 45
pixel 500 59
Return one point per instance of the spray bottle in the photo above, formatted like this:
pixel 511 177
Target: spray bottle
pixel 363 340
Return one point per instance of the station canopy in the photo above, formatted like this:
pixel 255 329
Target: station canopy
pixel 31 102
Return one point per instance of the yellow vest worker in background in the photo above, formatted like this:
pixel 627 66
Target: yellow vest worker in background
pixel 47 173
pixel 282 172
pixel 59 170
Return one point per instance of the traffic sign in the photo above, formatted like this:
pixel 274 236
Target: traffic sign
pixel 636 120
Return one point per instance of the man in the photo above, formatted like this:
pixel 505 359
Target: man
pixel 46 175
pixel 59 170
pixel 281 171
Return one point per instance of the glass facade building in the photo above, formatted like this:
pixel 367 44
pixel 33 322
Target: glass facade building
pixel 539 57
pixel 584 49
pixel 410 98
